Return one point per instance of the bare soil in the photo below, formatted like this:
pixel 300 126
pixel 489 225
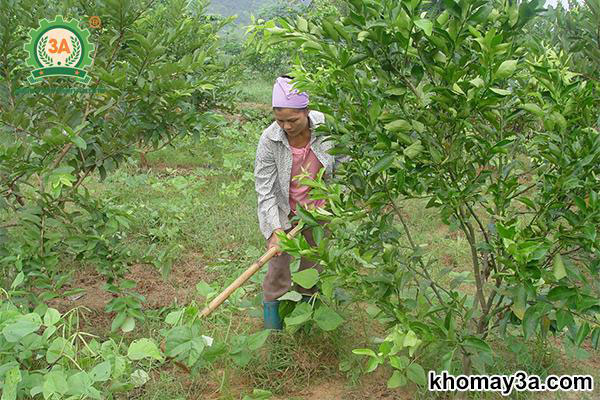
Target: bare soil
pixel 180 287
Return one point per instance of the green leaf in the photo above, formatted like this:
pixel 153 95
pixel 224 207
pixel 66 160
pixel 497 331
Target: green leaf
pixel 399 362
pixel 59 347
pixel 18 280
pixel 596 338
pixel 582 333
pixel 318 234
pixel 447 360
pixel 21 327
pixel 372 364
pixel 259 394
pixel 55 384
pixel 477 82
pixel 118 321
pixel 292 296
pixel 415 373
pixel 425 25
pixel 362 35
pixel 128 324
pixel 533 108
pixel 383 163
pixel 411 340
pixel 558 267
pixel 456 89
pixel 143 348
pixel 561 293
pixel 101 372
pixel 364 352
pixel 530 321
pixel 477 344
pixel 173 317
pixel 501 92
pixel 443 18
pixel 396 380
pixel 12 377
pixel 399 125
pixel 178 341
pixel 310 44
pixel 81 384
pixel 301 24
pixel 204 289
pixel 418 126
pixel 302 313
pixel 453 8
pixel 51 317
pixel 307 278
pixel 564 318
pixel 520 302
pixel 306 216
pixel 241 357
pixel 139 377
pixel 79 142
pixel 506 69
pixel 396 91
pixel 330 30
pixel 258 339
pixel 327 319
pixel 413 150
pixel 355 59
pixel 105 107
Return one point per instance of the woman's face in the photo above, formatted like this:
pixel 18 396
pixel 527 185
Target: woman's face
pixel 292 121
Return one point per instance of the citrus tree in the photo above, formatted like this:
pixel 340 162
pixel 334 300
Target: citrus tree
pixel 277 58
pixel 577 33
pixel 446 104
pixel 155 75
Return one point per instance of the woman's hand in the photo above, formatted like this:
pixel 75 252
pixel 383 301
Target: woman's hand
pixel 274 241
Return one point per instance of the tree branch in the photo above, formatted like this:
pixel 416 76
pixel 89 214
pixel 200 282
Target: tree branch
pixel 468 229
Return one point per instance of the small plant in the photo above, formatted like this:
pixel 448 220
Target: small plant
pixel 127 306
pixel 46 355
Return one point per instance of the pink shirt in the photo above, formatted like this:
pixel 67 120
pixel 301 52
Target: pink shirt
pixel 303 159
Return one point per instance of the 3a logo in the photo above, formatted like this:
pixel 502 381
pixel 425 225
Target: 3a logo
pixel 59 48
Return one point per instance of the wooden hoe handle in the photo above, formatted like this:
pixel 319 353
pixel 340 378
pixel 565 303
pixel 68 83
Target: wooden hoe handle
pixel 217 301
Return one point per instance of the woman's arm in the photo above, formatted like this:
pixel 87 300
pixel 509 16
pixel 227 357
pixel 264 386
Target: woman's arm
pixel 265 181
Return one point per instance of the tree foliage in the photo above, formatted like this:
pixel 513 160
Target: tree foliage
pixel 277 58
pixel 156 74
pixel 451 105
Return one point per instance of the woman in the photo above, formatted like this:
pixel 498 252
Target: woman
pixel 286 148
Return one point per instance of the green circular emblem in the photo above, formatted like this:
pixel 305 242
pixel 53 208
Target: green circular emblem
pixel 59 48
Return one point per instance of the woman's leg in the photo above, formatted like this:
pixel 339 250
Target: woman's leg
pixel 278 280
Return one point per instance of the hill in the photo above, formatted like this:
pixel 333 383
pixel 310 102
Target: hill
pixel 242 8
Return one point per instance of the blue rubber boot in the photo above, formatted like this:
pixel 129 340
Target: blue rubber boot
pixel 271 315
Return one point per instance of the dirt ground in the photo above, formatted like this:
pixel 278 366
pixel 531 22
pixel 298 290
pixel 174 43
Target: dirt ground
pixel 179 287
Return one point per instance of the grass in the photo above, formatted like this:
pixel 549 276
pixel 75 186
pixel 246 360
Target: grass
pixel 257 89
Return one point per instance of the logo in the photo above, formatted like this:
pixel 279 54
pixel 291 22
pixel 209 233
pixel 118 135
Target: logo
pixel 94 22
pixel 59 48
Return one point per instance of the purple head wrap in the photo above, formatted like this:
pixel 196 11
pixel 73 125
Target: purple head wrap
pixel 285 96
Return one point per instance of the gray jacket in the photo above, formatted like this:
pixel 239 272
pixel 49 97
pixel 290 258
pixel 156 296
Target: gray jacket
pixel 273 169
